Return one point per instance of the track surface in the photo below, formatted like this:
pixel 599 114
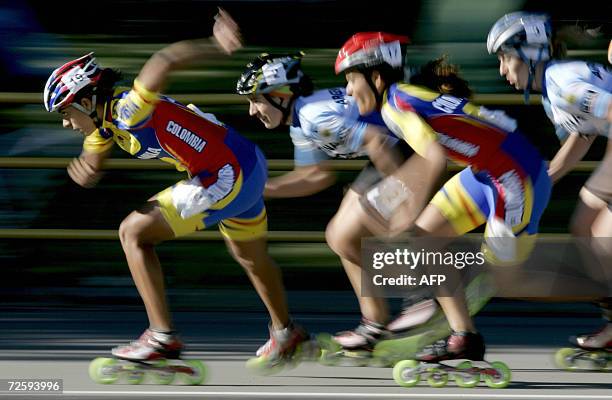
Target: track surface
pixel 59 343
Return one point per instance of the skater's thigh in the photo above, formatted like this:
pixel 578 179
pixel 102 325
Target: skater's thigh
pixel 432 222
pixel 350 223
pixel 588 210
pixel 462 205
pixel 146 225
pixel 252 252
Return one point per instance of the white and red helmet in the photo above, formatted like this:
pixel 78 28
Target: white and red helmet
pixel 67 81
pixel 369 49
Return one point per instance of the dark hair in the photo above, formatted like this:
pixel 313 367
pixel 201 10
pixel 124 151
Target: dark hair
pixel 304 88
pixel 389 74
pixel 442 77
pixel 105 87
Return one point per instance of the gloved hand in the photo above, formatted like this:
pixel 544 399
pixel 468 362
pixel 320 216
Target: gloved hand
pixel 190 198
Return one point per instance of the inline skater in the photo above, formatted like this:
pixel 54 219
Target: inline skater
pixel 505 184
pixel 326 124
pixel 577 98
pixel 226 177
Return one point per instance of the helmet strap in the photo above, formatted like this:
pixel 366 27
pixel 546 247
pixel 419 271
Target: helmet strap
pixel 367 74
pixel 93 114
pixel 284 110
pixel 531 64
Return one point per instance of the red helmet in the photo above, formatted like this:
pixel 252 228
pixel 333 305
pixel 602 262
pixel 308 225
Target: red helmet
pixel 68 80
pixel 368 49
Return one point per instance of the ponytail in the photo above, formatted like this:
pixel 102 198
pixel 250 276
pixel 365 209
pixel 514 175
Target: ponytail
pixel 442 77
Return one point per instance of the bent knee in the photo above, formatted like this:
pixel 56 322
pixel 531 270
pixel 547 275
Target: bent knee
pixel 128 231
pixel 134 230
pixel 249 256
pixel 342 242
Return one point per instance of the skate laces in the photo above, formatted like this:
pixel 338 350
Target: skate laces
pixel 438 348
pixel 369 330
pixel 278 339
pixel 455 344
pixel 151 338
pixel 143 340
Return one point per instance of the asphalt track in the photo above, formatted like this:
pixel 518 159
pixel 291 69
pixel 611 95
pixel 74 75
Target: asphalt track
pixel 60 342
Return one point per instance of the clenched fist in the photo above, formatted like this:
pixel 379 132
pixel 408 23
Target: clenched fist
pixel 226 32
pixel 83 173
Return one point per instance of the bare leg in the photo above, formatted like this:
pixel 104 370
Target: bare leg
pixel 592 219
pixel 265 276
pixel 139 233
pixel 344 234
pixel 432 223
pixel 585 215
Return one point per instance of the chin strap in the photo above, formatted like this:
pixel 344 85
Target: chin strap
pixel 93 114
pixel 531 64
pixel 284 110
pixel 368 78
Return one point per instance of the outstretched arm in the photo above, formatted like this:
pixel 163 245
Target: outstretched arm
pixel 381 151
pixel 302 181
pixel 225 40
pixel 572 151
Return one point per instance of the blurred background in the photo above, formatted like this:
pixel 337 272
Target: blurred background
pixel 58 243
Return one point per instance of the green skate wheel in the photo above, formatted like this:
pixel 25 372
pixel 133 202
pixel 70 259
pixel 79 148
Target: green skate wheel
pixel 102 370
pixel 262 366
pixel 328 358
pixel 198 375
pixel 461 378
pixel 309 350
pixel 599 360
pixel 327 342
pixel 563 358
pixel 405 373
pixel 437 378
pixel 503 378
pixel 134 376
pixel 358 358
pixel 162 375
pixel 303 352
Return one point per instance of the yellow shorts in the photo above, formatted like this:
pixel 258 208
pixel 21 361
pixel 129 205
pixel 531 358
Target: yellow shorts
pixel 241 215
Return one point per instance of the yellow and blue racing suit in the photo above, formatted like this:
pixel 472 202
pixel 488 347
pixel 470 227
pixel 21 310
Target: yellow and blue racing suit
pixel 231 168
pixel 506 177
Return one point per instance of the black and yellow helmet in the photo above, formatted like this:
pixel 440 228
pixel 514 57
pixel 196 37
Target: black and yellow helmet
pixel 275 73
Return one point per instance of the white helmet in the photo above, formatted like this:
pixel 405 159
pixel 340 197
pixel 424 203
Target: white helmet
pixel 524 34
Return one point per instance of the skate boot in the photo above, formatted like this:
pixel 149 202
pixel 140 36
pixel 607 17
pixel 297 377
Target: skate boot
pixel 460 357
pixel 593 351
pixel 150 346
pixel 156 354
pixel 285 348
pixel 409 334
pixel 351 348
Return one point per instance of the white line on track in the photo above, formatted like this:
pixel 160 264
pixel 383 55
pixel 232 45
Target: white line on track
pixel 466 395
